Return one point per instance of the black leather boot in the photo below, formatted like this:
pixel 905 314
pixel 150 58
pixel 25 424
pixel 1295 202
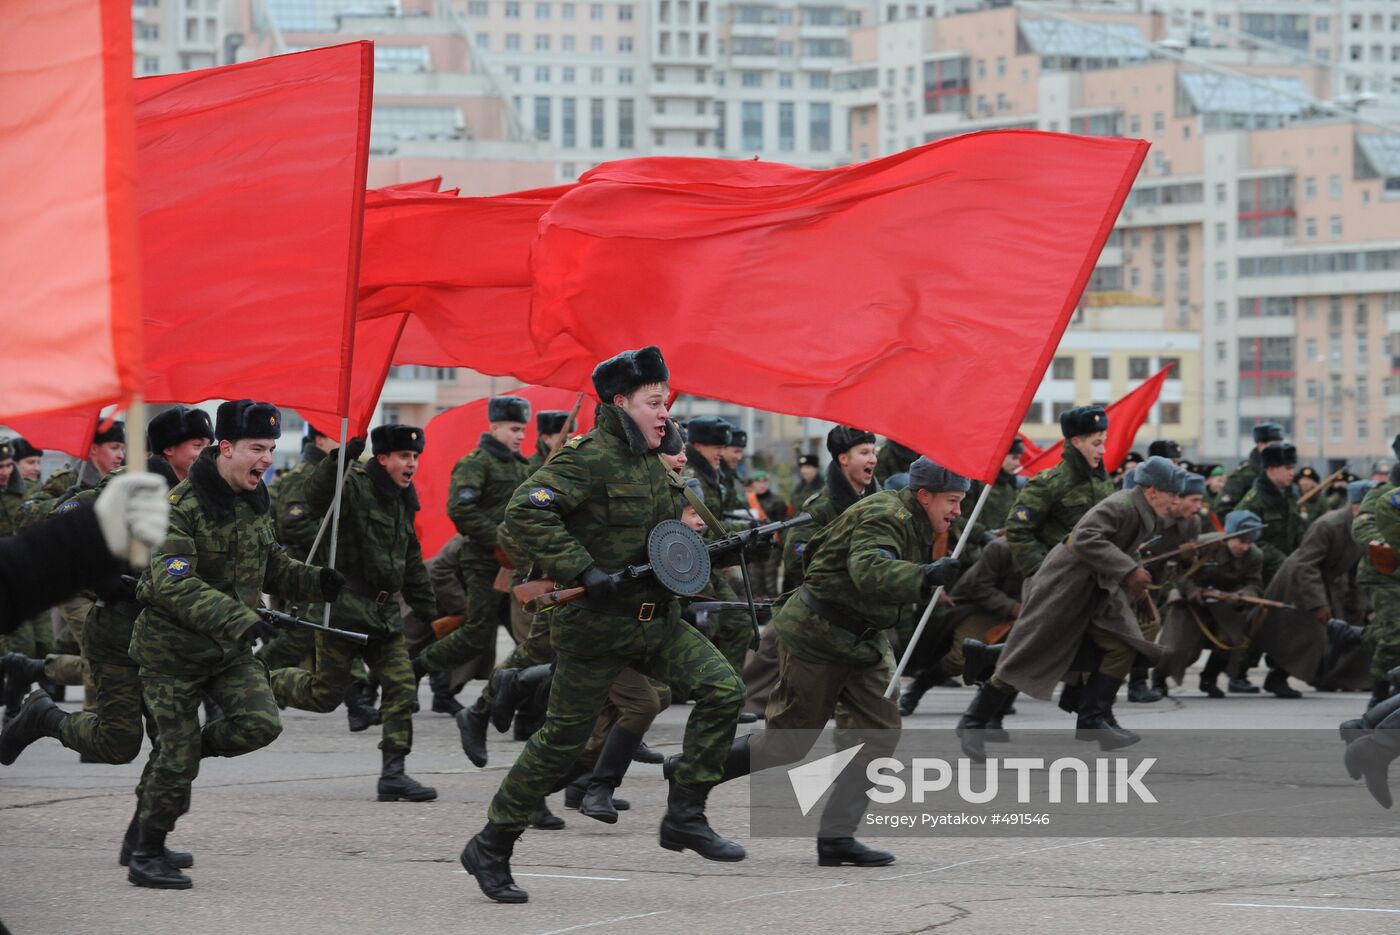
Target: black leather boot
pixel 972 726
pixel 1159 682
pixel 1276 682
pixel 471 723
pixel 608 770
pixel 1370 757
pixel 397 786
pixel 487 857
pixel 1358 727
pixel 544 819
pixel 578 788
pixel 515 689
pixel 995 733
pixel 359 711
pixel 1138 690
pixel 180 860
pixel 685 826
pixel 848 852
pixel 645 754
pixel 979 660
pixel 38 717
pixel 923 681
pixel 1071 695
pixel 1241 686
pixel 149 866
pixel 444 702
pixel 1096 721
pixel 1380 691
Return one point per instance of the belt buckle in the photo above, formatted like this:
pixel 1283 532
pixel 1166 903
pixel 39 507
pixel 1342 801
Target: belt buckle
pixel 646 612
pixel 382 597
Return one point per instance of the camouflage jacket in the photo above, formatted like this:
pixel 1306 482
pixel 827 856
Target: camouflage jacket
pixel 1364 530
pixel 377 550
pixel 866 567
pixel 893 458
pixel 1238 484
pixel 1050 505
pixel 714 488
pixel 735 498
pixel 482 484
pixel 1387 515
pixel 296 523
pixel 997 509
pixel 537 459
pixel 835 497
pixel 60 485
pixel 1279 510
pixel 219 555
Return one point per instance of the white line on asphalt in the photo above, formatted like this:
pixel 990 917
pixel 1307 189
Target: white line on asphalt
pixel 564 876
pixel 1286 906
pixel 589 925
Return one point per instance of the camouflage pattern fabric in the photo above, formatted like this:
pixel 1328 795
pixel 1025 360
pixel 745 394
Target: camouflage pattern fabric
pixel 1050 505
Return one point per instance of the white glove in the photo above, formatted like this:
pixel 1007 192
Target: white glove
pixel 133 506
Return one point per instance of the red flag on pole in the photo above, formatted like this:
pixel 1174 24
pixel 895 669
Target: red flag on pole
pixel 1125 416
pixel 68 254
pixel 920 296
pixel 68 432
pixel 251 196
pixel 455 432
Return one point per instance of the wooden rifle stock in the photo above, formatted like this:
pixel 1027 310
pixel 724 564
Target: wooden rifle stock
pixel 542 594
pixel 1326 482
pixel 1245 599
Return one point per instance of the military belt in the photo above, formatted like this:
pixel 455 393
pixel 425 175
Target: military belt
pixel 831 615
pixel 363 590
pixel 643 611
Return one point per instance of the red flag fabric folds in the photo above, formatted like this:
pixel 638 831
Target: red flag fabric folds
pixel 1125 416
pixel 68 432
pixel 251 194
pixel 920 296
pixel 454 433
pixel 68 255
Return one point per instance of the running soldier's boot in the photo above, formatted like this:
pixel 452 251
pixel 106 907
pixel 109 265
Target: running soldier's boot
pixel 613 759
pixel 1096 721
pixel 487 857
pixel 180 860
pixel 972 727
pixel 38 717
pixel 1370 757
pixel 397 786
pixel 149 866
pixel 471 723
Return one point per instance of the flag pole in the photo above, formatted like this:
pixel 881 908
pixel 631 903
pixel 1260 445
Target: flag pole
pixel 893 688
pixel 335 503
pixel 140 553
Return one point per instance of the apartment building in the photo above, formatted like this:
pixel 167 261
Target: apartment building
pixel 176 35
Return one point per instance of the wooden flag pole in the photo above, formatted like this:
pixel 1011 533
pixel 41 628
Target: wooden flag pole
pixel 335 503
pixel 140 553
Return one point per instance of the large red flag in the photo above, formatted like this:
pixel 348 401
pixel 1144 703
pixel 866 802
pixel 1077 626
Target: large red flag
pixel 454 433
pixel 252 186
pixel 920 296
pixel 68 432
pixel 68 257
pixel 1125 416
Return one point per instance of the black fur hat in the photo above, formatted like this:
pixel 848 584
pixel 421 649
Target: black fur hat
pixel 620 375
pixel 176 425
pixel 738 438
pixel 843 438
pixel 1018 447
pixel 1083 420
pixel 1268 432
pixel 7 451
pixel 508 409
pixel 244 418
pixel 116 432
pixel 396 437
pixel 709 430
pixel 1164 447
pixel 551 421
pixel 809 461
pixel 1277 455
pixel 312 431
pixel 22 449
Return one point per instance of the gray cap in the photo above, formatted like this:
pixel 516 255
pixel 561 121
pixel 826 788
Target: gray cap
pixel 694 484
pixel 926 474
pixel 897 481
pixel 1241 520
pixel 1157 472
pixel 1195 484
pixel 1357 490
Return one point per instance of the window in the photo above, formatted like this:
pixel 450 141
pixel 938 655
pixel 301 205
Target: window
pixel 1001 66
pixel 1309 228
pixel 1334 186
pixel 1310 350
pixel 1174 363
pixel 1334 225
pixel 819 127
pixel 946 86
pixel 624 44
pixel 751 127
pixel 1266 207
pixel 1100 368
pixel 568 121
pixel 566 74
pixel 512 42
pixel 1310 429
pixel 595 76
pixel 1159 122
pixel 1170 413
pixel 1266 367
pixel 1363 430
pixel 543 111
pixel 595 122
pixel 1059 409
pixel 542 74
pixel 512 9
pixel 626 123
pixel 1310 389
pixel 566 10
pixel 787 126
pixel 595 43
pixel 1222 391
pixel 513 73
pixel 1334 430
pixel 1062 368
pixel 542 42
pixel 541 11
pixel 595 11
pixel 1221 193
pixel 785 49
pixel 624 12
pixel 1309 188
pixel 1219 428
pixel 819 80
pixel 751 79
pixel 483 40
pixel 721 133
pixel 1036 412
pixel 1139 368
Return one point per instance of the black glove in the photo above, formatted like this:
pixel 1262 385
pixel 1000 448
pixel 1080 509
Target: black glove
pixel 332 582
pixel 353 449
pixel 760 549
pixel 988 537
pixel 941 573
pixel 599 583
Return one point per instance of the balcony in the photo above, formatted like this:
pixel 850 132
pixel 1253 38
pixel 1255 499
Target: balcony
pixel 764 30
pixel 684 122
pixel 697 89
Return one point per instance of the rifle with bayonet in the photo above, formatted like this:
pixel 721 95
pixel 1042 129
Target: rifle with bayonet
pixel 1197 546
pixel 286 621
pixel 1218 595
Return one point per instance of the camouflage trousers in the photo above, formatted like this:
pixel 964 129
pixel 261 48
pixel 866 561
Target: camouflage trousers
pixel 535 649
pixel 592 650
pixel 1382 634
pixel 487 609
pixel 110 730
pixel 33 638
pixel 289 648
pixel 323 690
pixel 250 722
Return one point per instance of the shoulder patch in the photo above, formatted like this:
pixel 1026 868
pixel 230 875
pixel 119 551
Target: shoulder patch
pixel 576 441
pixel 1225 498
pixel 467 495
pixel 67 506
pixel 296 510
pixel 799 548
pixel 1022 514
pixel 1395 498
pixel 887 553
pixel 541 497
pixel 177 566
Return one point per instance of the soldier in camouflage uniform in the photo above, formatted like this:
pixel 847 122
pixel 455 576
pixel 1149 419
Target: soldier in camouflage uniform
pixel 1383 589
pixel 1005 489
pixel 893 458
pixel 1273 501
pixel 1382 637
pixel 482 485
pixel 1241 479
pixel 808 484
pixel 200 592
pixel 864 573
pixel 379 555
pixel 585 514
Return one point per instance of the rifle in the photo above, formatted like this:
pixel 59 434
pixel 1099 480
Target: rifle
pixel 537 596
pixel 1323 485
pixel 1245 599
pixel 286 621
pixel 1201 545
pixel 570 424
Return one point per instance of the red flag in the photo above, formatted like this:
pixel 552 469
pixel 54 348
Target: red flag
pixel 1125 416
pixel 68 255
pixel 1030 453
pixel 920 296
pixel 68 432
pixel 455 432
pixel 252 185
